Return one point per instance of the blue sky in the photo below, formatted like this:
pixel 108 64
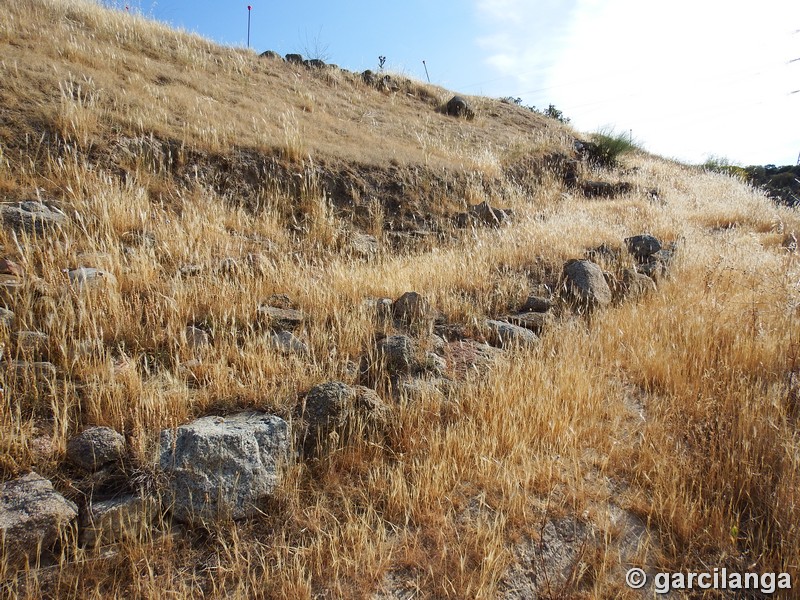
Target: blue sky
pixel 689 78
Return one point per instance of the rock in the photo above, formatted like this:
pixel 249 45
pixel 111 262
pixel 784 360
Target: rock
pixel 382 309
pixel 96 447
pixel 602 189
pixel 229 266
pixel 413 312
pixel 223 467
pixel 395 354
pixel 32 216
pixel 32 516
pixel 332 411
pixel 256 262
pixel 6 317
pixel 363 245
pixel 585 283
pixel 466 356
pixel 279 301
pixel 642 247
pixel 10 288
pixel 89 277
pixel 483 214
pixel 296 59
pixel 136 237
pixel 314 63
pixel 605 254
pixel 280 319
pixel 789 242
pixel 655 269
pixel 114 520
pixel 369 78
pixel 536 322
pixel 287 343
pixel 459 107
pixel 196 338
pixel 190 270
pixel 271 54
pixel 636 285
pixel 39 370
pixel 9 267
pixel 502 334
pixel 32 344
pixel 536 304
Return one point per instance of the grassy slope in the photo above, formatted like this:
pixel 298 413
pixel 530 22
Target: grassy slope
pixel 676 407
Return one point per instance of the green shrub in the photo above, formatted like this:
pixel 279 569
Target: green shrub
pixel 607 146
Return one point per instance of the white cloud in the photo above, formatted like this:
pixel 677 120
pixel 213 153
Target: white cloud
pixel 690 78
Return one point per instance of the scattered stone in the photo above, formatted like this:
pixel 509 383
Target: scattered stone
pixel 6 317
pixel 636 285
pixel 32 344
pixel 363 245
pixel 39 370
pixel 536 322
pixel 459 107
pixel 114 520
pixel 537 304
pixel 789 242
pixel 223 467
pixel 32 516
pixel 9 267
pixel 190 270
pixel 32 216
pixel 654 269
pixel 467 356
pixel 434 364
pixel 96 447
pixel 314 63
pixel 296 59
pixel 585 283
pixel 413 312
pixel 287 343
pixel 642 247
pixel 605 254
pixel 394 355
pixel 271 54
pixel 280 319
pixel 502 334
pixel 196 338
pixel 90 277
pixel 332 411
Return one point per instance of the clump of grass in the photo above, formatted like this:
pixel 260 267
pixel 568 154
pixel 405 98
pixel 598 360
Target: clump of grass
pixel 608 146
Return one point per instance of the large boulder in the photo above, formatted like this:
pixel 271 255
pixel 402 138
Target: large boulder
pixel 396 355
pixel 585 283
pixel 33 517
pixel 223 467
pixel 502 334
pixel 32 216
pixel 414 313
pixel 96 447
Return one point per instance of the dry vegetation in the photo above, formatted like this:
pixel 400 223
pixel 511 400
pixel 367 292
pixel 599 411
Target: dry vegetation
pixel 679 409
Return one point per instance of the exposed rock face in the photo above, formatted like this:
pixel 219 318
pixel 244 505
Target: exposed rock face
pixel 32 216
pixel 502 334
pixel 333 409
pixel 96 447
pixel 223 467
pixel 32 516
pixel 459 107
pixel 585 283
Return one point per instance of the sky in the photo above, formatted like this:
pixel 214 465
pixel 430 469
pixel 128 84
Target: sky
pixel 687 79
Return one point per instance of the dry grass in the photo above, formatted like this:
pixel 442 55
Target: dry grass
pixel 676 407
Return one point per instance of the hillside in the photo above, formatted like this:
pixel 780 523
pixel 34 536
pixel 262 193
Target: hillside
pixel 281 331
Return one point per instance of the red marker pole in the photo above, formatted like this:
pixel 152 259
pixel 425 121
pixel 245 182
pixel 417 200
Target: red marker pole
pixel 249 8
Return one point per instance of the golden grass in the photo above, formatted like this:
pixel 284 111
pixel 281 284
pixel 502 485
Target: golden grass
pixel 676 407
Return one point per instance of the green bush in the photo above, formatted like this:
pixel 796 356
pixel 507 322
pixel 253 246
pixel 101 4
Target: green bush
pixel 607 146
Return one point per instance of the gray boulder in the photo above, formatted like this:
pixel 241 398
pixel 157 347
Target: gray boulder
pixel 33 516
pixel 280 319
pixel 270 54
pixel 32 216
pixel 585 284
pixel 96 447
pixel 636 285
pixel 537 304
pixel 396 354
pixel 223 467
pixel 536 322
pixel 414 313
pixel 287 343
pixel 502 334
pixel 296 59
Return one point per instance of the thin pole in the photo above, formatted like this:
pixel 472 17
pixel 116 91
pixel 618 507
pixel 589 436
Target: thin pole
pixel 426 71
pixel 249 8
